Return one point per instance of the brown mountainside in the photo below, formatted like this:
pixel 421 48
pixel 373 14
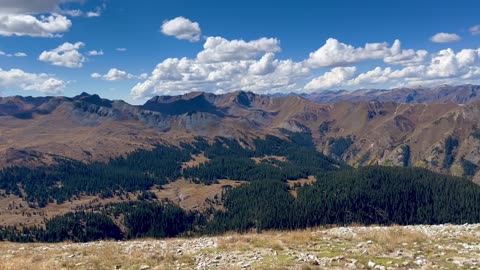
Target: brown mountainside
pixel 87 127
pixel 459 94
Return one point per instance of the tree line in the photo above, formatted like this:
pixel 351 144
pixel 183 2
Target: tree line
pixel 368 195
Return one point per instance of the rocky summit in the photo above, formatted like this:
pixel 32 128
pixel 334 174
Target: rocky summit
pixel 395 247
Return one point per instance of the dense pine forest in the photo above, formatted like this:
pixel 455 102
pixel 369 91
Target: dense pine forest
pixel 341 195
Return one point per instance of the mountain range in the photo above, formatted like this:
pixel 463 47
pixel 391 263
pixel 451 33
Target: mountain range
pixel 435 128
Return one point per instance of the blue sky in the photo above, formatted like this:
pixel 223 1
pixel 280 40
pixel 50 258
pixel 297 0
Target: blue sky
pixel 172 47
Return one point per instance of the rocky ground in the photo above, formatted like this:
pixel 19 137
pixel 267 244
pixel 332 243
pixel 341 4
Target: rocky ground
pixel 407 247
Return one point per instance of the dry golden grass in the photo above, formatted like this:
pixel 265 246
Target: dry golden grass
pixel 107 256
pixel 195 161
pixel 258 160
pixel 188 195
pixel 302 181
pixel 393 238
pixel 334 247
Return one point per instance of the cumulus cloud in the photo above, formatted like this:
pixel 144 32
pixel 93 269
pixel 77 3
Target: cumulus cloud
pixel 229 65
pixel 117 75
pixel 218 49
pixel 264 66
pixel 17 78
pixel 336 77
pixel 335 53
pixel 96 75
pixel 446 66
pixel 20 54
pixel 28 25
pixel 43 18
pixel 177 76
pixel 121 49
pixel 33 7
pixel 445 38
pixel 66 55
pixel 409 57
pixel 182 28
pixel 475 30
pixel 95 53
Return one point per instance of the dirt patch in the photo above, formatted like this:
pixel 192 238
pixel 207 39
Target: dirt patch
pixel 191 196
pixel 259 160
pixel 16 211
pixel 195 161
pixel 302 181
pixel 186 194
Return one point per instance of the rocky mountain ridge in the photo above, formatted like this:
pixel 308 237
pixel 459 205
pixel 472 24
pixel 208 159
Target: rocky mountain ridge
pixel 383 131
pixel 459 94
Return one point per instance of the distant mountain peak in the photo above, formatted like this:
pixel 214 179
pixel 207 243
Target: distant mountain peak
pixel 441 94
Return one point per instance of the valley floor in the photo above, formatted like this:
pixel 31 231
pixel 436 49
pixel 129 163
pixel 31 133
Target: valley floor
pixel 356 247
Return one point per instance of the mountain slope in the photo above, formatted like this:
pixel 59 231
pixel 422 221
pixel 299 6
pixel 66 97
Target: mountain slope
pixel 89 128
pixel 459 94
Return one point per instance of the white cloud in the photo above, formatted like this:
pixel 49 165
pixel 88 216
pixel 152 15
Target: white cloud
pixel 229 65
pixel 399 56
pixel 117 75
pixel 264 66
pixel 66 55
pixel 446 66
pixel 32 7
pixel 93 14
pixel 96 75
pixel 445 38
pixel 335 53
pixel 447 63
pixel 182 28
pixel 177 76
pixel 16 78
pixel 218 49
pixel 95 53
pixel 475 30
pixel 28 25
pixel 336 77
pixel 79 13
pixel 43 18
pixel 73 12
pixel 121 49
pixel 17 54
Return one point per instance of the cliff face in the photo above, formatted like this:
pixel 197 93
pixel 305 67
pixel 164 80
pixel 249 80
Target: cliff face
pixel 87 127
